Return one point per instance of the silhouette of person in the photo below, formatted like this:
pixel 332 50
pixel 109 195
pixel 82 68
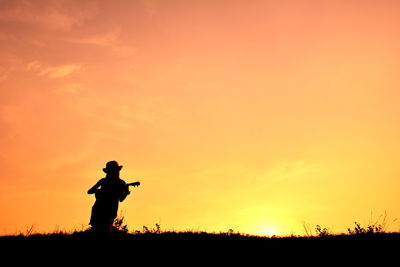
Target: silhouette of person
pixel 109 191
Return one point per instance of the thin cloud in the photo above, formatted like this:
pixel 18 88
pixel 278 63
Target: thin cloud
pixel 60 71
pixel 109 39
pixel 33 66
pixel 106 38
pixel 71 88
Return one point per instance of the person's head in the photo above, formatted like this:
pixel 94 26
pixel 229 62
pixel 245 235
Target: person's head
pixel 112 169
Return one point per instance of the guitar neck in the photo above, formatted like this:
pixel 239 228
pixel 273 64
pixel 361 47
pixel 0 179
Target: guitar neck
pixel 133 184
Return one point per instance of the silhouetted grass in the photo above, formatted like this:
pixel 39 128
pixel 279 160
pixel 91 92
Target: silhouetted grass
pixel 373 230
pixel 153 246
pixel 158 247
pixel 155 233
pixel 152 241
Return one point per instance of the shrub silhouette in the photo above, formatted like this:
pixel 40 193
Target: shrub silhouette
pixel 147 230
pixel 118 225
pixel 373 227
pixel 321 232
pixel 370 229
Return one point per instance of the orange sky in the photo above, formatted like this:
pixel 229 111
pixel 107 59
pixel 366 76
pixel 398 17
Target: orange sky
pixel 253 115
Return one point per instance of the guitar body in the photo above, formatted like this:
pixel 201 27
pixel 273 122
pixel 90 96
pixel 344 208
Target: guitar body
pixel 122 198
pixel 101 194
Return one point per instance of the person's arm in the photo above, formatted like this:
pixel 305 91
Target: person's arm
pixel 95 187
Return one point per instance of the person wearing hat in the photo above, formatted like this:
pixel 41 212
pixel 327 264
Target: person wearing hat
pixel 109 191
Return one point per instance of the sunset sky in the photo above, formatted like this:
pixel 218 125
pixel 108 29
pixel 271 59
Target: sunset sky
pixel 256 116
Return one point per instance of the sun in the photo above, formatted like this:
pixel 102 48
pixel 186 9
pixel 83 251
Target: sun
pixel 268 231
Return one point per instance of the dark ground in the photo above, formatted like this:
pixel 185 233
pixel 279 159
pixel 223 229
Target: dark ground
pixel 201 248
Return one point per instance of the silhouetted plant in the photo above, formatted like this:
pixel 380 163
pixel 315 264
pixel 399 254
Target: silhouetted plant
pixel 158 229
pixel 147 230
pixel 373 227
pixel 29 231
pixel 307 229
pixel 321 232
pixel 370 229
pixel 118 224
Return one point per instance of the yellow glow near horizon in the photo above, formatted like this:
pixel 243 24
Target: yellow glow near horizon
pixel 249 115
pixel 269 232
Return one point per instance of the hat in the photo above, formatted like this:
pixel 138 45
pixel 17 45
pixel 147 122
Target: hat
pixel 112 166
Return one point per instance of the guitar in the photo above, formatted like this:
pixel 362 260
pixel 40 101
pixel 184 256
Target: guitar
pixel 99 194
pixel 122 198
pixel 133 184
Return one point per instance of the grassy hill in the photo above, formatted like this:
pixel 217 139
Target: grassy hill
pixel 360 244
pixel 199 238
pixel 191 248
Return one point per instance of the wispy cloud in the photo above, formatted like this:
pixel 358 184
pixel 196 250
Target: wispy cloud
pixel 104 38
pixel 71 88
pixel 33 66
pixel 52 72
pixel 60 71
pixel 41 69
pixel 109 39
